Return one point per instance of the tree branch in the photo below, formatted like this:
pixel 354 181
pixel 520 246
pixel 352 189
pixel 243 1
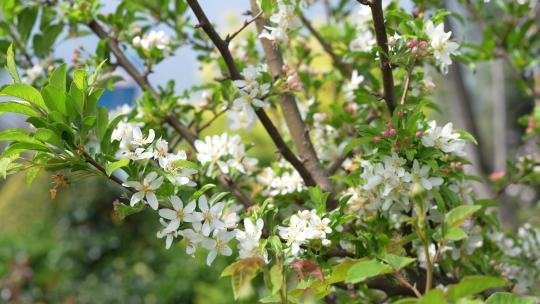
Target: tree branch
pixel 382 42
pixel 223 49
pixel 230 37
pixel 327 47
pixel 171 119
pixel 100 168
pixel 297 128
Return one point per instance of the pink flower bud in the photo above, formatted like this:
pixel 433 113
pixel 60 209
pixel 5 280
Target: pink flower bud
pixel 423 45
pixel 294 83
pixel 497 175
pixel 352 107
pixel 425 53
pixel 410 44
pixel 393 132
pixel 390 125
pixel 414 50
pixel 384 133
pixel 419 134
pixel 400 114
pixel 285 67
pixel 376 139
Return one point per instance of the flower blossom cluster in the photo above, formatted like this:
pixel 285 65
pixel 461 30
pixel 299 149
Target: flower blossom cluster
pixel 155 40
pixel 249 240
pixel 287 181
pixel 443 48
pixel 304 227
pixel 389 182
pixel 225 152
pixel 283 21
pixel 136 146
pixel 252 94
pixel 199 223
pixel 444 139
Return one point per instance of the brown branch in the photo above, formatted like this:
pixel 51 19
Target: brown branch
pixel 100 168
pixel 403 280
pixel 382 42
pixel 223 49
pixel 230 37
pixel 297 128
pixel 171 119
pixel 347 69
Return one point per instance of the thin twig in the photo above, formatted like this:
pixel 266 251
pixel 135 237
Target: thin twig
pixel 230 37
pixel 406 283
pixel 408 80
pixel 100 168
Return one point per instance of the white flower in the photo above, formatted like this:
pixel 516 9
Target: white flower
pixel 180 174
pixel 242 117
pixel 168 235
pixel 139 139
pixel 443 138
pixel 303 227
pixel 179 214
pixel 421 175
pixel 211 150
pixel 364 42
pixel 250 98
pixel 161 152
pixel 248 245
pixel 250 75
pixel 146 190
pixel 218 245
pixel 211 217
pixel 353 85
pixel 192 239
pixel 33 73
pixel 137 154
pixel 283 21
pixel 442 47
pixel 154 40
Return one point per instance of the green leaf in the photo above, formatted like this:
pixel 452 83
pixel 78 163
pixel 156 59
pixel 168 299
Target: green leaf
pixel 124 211
pixel 466 136
pixel 110 168
pixel 450 234
pixel 11 67
pixel 102 119
pixel 76 100
pixel 365 270
pixel 201 191
pixel 458 215
pixel 4 166
pixel 276 278
pixel 17 107
pixel 48 136
pixel 274 298
pixel 242 272
pixel 15 134
pixel 508 298
pixel 79 78
pixel 24 92
pixel 434 296
pixel 55 99
pixel 58 78
pixel 397 262
pixel 473 285
pixel 339 272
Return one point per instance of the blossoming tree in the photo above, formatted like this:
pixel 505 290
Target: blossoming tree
pixel 365 200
